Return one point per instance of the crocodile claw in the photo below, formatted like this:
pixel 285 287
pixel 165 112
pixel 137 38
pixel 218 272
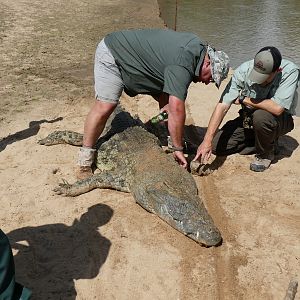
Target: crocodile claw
pixel 63 188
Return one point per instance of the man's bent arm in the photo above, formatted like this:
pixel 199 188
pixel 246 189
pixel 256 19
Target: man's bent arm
pixel 268 105
pixel 205 148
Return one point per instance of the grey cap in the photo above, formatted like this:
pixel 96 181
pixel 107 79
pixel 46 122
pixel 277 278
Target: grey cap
pixel 266 61
pixel 219 63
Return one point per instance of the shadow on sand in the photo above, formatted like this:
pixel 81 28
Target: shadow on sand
pixel 51 257
pixel 33 129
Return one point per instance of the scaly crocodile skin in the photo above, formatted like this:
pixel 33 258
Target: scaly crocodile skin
pixel 131 160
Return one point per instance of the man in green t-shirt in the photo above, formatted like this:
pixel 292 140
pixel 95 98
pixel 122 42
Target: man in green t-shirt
pixel 266 89
pixel 158 62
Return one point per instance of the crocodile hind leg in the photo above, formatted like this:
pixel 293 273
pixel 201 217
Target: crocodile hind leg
pixel 103 180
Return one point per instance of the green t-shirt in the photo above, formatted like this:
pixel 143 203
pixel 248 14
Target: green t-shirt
pixel 152 61
pixel 281 90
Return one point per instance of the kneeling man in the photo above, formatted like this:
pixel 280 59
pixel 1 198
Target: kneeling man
pixel 266 90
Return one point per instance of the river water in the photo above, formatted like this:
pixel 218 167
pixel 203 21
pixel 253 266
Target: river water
pixel 239 27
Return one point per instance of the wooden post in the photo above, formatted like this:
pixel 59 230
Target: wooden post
pixel 292 290
pixel 175 25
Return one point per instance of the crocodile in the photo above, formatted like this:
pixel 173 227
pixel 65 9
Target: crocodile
pixel 131 159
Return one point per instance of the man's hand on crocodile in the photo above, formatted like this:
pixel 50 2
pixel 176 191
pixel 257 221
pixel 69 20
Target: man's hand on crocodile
pixel 179 157
pixel 203 152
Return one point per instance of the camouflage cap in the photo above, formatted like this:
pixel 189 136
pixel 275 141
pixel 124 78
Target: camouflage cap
pixel 219 63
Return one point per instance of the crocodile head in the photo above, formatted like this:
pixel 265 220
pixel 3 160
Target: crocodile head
pixel 188 215
pixel 182 211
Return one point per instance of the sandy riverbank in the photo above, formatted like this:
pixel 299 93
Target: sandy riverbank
pixel 102 245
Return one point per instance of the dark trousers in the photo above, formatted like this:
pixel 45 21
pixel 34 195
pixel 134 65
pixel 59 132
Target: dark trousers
pixel 9 289
pixel 233 138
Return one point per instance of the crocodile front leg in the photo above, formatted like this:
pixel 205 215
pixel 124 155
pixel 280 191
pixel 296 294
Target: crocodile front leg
pixel 103 180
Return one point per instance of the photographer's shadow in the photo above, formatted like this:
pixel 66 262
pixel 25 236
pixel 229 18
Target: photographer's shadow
pixel 51 257
pixel 33 129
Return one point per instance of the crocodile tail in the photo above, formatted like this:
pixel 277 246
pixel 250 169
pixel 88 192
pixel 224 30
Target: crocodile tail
pixel 62 137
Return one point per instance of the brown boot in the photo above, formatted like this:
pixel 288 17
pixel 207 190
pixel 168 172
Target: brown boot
pixel 83 172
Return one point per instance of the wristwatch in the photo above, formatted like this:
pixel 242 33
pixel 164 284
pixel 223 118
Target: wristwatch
pixel 173 148
pixel 241 99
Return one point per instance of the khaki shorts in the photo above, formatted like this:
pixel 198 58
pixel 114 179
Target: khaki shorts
pixel 108 82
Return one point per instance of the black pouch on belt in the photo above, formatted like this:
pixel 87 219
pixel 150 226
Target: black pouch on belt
pixel 246 114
